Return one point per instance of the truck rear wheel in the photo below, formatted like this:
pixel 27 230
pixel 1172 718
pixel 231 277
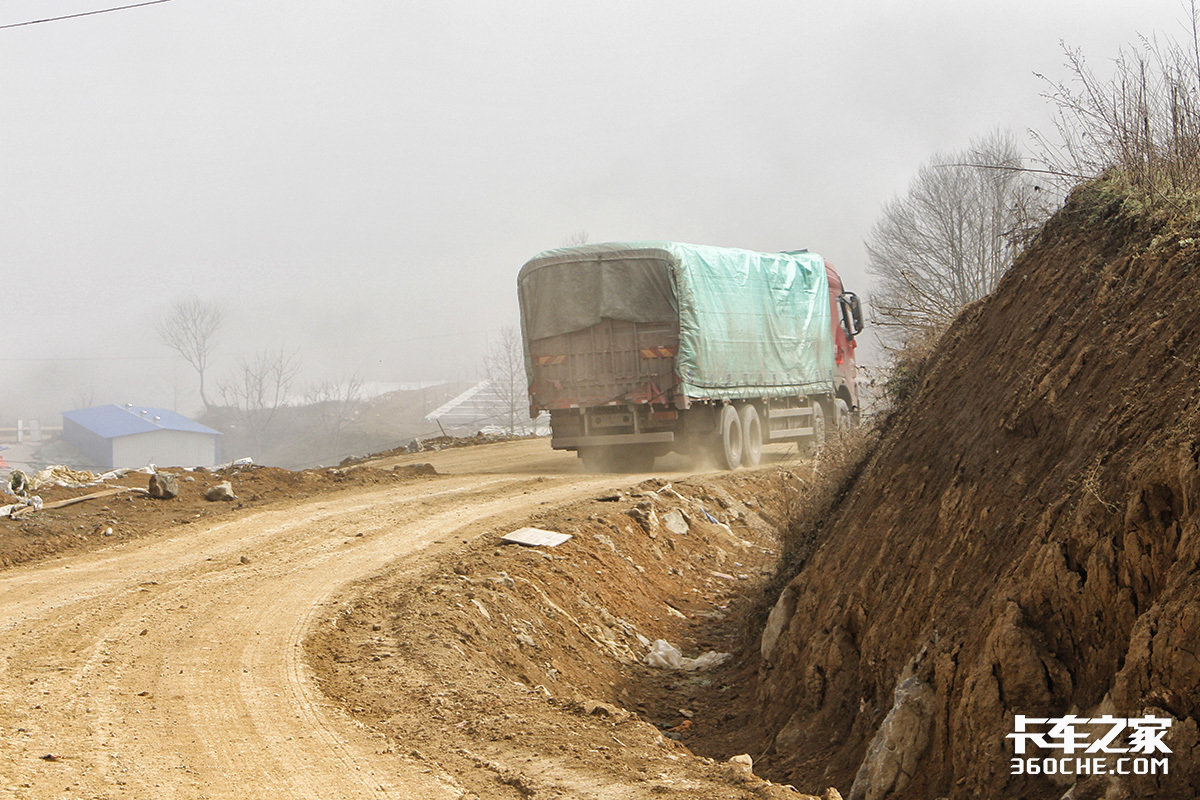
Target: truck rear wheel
pixel 729 452
pixel 841 415
pixel 817 440
pixel 752 438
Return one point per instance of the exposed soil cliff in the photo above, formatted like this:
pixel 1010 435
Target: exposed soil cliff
pixel 1023 541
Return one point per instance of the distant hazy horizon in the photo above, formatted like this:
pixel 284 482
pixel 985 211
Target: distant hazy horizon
pixel 359 183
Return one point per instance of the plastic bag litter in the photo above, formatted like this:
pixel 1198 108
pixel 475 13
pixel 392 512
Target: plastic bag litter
pixel 35 501
pixel 61 475
pixel 665 655
pixel 18 484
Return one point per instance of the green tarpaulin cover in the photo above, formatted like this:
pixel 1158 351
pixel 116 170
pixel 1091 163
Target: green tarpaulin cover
pixel 747 320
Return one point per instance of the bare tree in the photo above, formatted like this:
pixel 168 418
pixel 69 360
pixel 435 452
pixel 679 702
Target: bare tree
pixel 504 368
pixel 576 238
pixel 84 397
pixel 950 238
pixel 335 403
pixel 190 329
pixel 259 389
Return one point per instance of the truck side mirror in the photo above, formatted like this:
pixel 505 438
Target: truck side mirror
pixel 852 321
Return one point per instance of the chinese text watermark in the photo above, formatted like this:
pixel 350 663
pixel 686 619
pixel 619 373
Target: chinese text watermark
pixel 1074 745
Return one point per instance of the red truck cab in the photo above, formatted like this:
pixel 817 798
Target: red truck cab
pixel 845 313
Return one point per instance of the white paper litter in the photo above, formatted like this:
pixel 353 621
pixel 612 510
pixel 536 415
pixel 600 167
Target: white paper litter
pixel 665 655
pixel 535 537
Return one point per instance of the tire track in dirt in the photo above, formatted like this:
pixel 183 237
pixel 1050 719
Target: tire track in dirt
pixel 171 668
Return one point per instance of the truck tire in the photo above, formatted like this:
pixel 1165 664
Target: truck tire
pixel 841 416
pixel 729 450
pixel 819 427
pixel 752 438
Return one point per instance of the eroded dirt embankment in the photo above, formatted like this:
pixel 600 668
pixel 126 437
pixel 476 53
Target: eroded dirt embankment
pixel 520 671
pixel 1024 541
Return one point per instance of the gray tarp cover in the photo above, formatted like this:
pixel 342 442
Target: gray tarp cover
pixel 749 323
pixel 574 288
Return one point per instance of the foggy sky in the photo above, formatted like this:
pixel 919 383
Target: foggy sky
pixel 360 180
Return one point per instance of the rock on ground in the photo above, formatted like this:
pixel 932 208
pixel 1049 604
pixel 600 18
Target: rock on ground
pixel 163 486
pixel 222 491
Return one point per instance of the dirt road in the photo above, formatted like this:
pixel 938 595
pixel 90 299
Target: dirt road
pixel 172 666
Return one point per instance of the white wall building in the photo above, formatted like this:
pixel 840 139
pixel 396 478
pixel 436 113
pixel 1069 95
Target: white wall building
pixel 134 436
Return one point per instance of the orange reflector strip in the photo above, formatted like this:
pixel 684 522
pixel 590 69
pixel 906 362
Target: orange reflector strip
pixel 658 352
pixel 543 361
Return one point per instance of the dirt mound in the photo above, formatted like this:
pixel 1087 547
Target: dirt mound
pixel 503 660
pixel 434 444
pixel 1023 541
pixel 107 520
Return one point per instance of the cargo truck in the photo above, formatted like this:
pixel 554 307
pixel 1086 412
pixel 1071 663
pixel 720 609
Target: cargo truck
pixel 640 349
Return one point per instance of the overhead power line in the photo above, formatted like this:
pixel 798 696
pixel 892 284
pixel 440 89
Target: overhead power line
pixel 84 14
pixel 86 358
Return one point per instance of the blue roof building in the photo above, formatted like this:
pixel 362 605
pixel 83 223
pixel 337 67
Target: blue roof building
pixel 134 436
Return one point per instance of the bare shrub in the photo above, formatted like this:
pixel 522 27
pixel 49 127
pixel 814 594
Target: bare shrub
pixel 814 490
pixel 1140 126
pixel 337 403
pixel 905 367
pixel 258 390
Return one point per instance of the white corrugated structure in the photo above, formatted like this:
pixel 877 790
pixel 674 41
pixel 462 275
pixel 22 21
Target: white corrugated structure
pixel 483 408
